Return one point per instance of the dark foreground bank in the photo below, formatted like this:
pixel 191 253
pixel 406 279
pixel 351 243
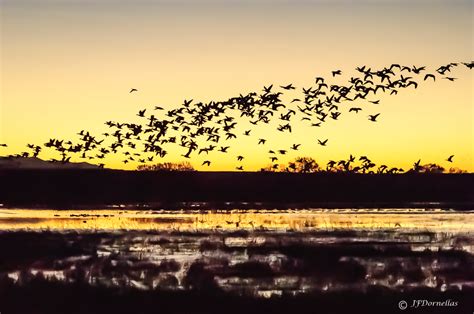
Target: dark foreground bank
pixel 67 187
pixel 49 298
pixel 219 272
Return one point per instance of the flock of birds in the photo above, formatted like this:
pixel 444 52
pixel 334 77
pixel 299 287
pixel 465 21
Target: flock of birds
pixel 352 165
pixel 210 128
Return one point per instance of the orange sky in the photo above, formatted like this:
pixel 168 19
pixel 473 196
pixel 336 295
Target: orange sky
pixel 69 65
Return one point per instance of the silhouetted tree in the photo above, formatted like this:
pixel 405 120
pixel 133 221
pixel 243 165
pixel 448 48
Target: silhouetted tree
pixel 432 168
pixel 168 166
pixel 427 168
pixel 303 165
pixel 456 170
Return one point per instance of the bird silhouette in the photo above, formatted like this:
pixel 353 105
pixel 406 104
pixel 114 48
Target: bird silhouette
pixel 133 90
pixel 470 65
pixel 288 87
pixel 355 109
pixel 450 158
pixel 323 143
pixel 450 78
pixel 428 76
pixel 373 118
pixel 206 162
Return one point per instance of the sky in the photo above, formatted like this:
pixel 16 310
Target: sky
pixel 68 65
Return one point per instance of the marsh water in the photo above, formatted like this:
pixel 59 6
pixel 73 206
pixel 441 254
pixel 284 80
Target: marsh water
pixel 260 253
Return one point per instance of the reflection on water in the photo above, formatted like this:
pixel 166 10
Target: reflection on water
pixel 287 220
pixel 244 252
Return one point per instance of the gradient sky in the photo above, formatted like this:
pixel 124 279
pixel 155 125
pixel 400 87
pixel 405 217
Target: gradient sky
pixel 69 65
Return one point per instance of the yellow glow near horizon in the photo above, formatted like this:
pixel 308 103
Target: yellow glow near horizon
pixel 67 67
pixel 300 221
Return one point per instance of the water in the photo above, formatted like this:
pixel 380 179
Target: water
pixel 260 253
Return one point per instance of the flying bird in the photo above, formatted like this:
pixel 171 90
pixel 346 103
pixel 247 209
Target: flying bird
pixel 336 72
pixel 470 65
pixel 323 143
pixel 355 109
pixel 373 118
pixel 288 87
pixel 450 158
pixel 133 90
pixel 427 76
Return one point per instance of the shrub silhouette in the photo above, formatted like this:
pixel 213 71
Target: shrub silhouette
pixel 167 166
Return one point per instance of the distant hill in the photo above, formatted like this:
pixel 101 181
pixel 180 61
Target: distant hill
pixel 36 163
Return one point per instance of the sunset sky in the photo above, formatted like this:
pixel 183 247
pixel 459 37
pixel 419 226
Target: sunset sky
pixel 68 65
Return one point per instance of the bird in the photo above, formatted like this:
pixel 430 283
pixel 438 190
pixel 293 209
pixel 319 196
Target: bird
pixel 295 146
pixel 133 90
pixel 267 89
pixel 239 168
pixel 141 113
pixel 450 78
pixel 450 158
pixel 262 141
pixel 412 83
pixel 336 72
pixel 470 65
pixel 373 118
pixel 240 158
pixel 3 145
pixel 375 102
pixel 323 143
pixel 355 109
pixel 206 162
pixel 247 132
pixel 159 108
pixel 417 70
pixel 288 87
pixel 428 76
